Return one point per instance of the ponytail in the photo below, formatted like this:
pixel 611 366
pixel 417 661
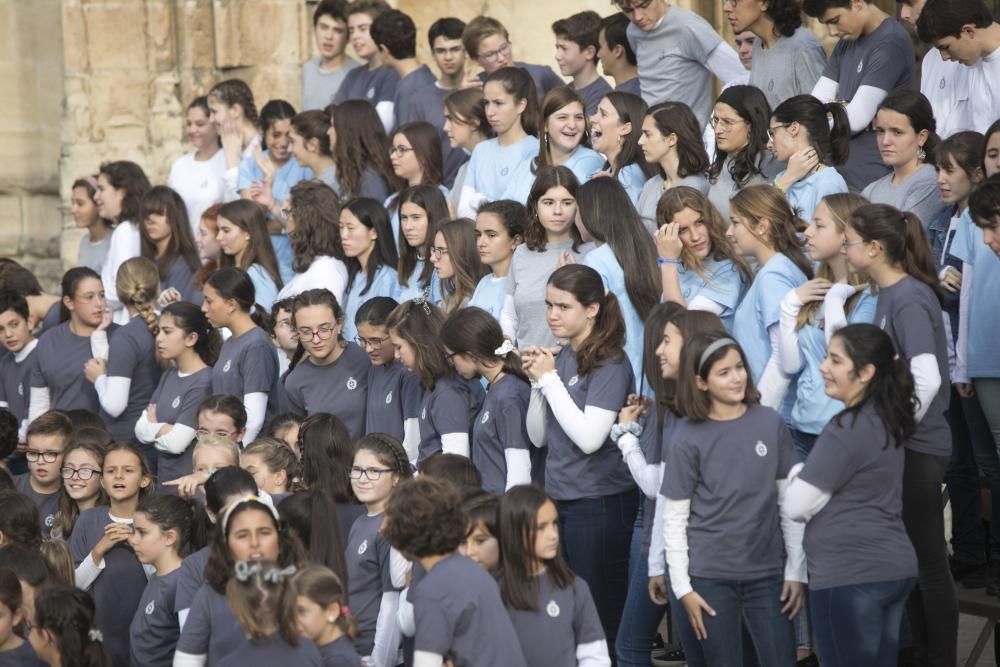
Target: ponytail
pixel 518 83
pixel 68 613
pixel 171 512
pixel 918 260
pixel 607 337
pixel 902 238
pixel 189 319
pixel 322 586
pixel 475 332
pixel 840 133
pixel 827 125
pixel 313 517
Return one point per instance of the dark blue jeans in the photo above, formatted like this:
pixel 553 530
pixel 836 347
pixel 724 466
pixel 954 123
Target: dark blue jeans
pixel 859 624
pixel 641 616
pixel 755 605
pixel 596 537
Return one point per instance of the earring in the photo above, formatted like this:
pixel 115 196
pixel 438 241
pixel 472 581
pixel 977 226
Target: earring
pixel 921 154
pixel 546 140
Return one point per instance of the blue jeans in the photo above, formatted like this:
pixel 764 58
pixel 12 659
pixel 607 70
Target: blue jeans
pixel 752 604
pixel 859 624
pixel 641 616
pixel 596 537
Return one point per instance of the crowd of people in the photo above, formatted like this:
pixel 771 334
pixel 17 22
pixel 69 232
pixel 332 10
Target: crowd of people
pixel 489 366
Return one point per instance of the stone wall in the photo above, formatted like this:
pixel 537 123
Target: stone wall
pixel 95 80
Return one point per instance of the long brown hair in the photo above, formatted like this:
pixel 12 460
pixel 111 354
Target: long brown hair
pixel 606 341
pixel 475 332
pixel 249 217
pixel 681 197
pixel 460 238
pixel 517 83
pixel 262 600
pixel 321 585
pixel 69 511
pixel 426 144
pixel 677 118
pixel 316 208
pixel 766 202
pixel 161 200
pixel 361 142
pixel 430 199
pixel 556 99
pixel 419 323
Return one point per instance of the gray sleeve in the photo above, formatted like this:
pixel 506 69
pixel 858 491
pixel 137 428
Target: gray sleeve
pixel 259 366
pixel 924 201
pixel 808 67
pixel 885 62
pixel 586 623
pixel 700 39
pixel 681 475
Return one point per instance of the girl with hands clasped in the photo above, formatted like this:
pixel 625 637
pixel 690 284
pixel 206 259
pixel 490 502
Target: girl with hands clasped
pixel 105 563
pixel 576 396
pixel 724 484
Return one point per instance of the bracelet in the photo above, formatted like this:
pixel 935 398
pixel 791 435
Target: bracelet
pixel 668 260
pixel 619 429
pixel 780 188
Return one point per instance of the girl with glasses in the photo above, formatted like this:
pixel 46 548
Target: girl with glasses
pixel 366 236
pixel 333 376
pixel 456 263
pixel 375 572
pixel 81 489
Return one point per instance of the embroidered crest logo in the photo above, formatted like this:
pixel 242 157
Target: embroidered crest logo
pixel 49 520
pixel 942 84
pixel 20 389
pixel 881 324
pixel 388 398
pixel 861 66
pixel 371 92
pixel 423 413
pixel 352 384
pixel 486 417
pixel 150 607
pixel 177 403
pixel 761 449
pixel 573 380
pixel 770 84
pixel 229 363
pixel 504 171
pixel 552 609
pixel 363 547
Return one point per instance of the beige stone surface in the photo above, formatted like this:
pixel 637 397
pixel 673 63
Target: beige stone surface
pixel 94 80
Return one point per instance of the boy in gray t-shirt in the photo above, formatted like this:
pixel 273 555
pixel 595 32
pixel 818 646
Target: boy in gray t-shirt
pixel 322 75
pixel 677 53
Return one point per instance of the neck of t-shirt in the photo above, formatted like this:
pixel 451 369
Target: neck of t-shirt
pixel 585 77
pixel 333 64
pixel 428 562
pixel 406 66
pixel 724 412
pixel 28 348
pixel 765 31
pixel 514 135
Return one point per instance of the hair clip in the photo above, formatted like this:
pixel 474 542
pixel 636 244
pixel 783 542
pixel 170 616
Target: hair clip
pixel 505 348
pixel 422 301
pixel 243 570
pixel 95 635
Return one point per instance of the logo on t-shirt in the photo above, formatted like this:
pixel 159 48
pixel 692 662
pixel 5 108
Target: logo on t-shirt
pixel 150 607
pixel 176 404
pixel 371 92
pixel 229 362
pixel 20 389
pixel 486 417
pixel 423 413
pixel 573 380
pixel 388 398
pixel 861 65
pixel 552 609
pixel 770 84
pixel 352 384
pixel 504 171
pixel 942 84
pixel 49 520
pixel 882 323
pixel 363 547
pixel 761 449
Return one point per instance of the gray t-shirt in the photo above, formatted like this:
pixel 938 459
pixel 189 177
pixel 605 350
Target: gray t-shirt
pixel 373 185
pixel 273 650
pixel 47 503
pixel 724 187
pixel 406 92
pixel 210 628
pixel 339 653
pixel 728 470
pixel 858 538
pixel 340 388
pixel 672 60
pixel 569 473
pixel 630 86
pixel 155 630
pixel 499 426
pixel 449 407
pixel 92 254
pixel 193 578
pixel 918 194
pixel 59 360
pixel 460 616
pixel 131 355
pixel 374 85
pixel 320 87
pixel 15 383
pixel 910 313
pixel 395 396
pixel 177 399
pixel 882 59
pixel 247 364
pixel 565 618
pixel 592 94
pixel 22 656
pixel 529 272
pixel 791 67
pixel 652 191
pixel 118 589
pixel 181 278
pixel 368 576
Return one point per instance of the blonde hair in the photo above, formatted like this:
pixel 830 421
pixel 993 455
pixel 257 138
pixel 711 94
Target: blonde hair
pixel 138 286
pixel 262 601
pixel 59 561
pixel 276 455
pixel 225 445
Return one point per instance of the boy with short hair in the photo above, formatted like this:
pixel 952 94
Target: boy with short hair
pixel 616 54
pixel 374 82
pixel 576 55
pixel 874 56
pixel 964 31
pixel 15 363
pixel 678 52
pixel 322 75
pixel 43 308
pixel 47 439
pixel 457 607
pixel 488 42
pixel 395 36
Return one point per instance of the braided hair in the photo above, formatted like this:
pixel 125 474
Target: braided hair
pixel 236 91
pixel 389 452
pixel 68 614
pixel 138 286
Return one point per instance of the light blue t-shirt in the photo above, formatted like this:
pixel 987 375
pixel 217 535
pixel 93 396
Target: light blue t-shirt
pixel 982 360
pixel 804 195
pixel 583 163
pixel 383 283
pixel 602 259
pixel 265 291
pixel 720 281
pixel 285 178
pixel 759 310
pixel 390 205
pixel 632 179
pixel 413 289
pixel 813 409
pixel 489 294
pixel 492 166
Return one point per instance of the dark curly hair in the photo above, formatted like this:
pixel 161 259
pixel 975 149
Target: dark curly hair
pixel 424 517
pixel 749 104
pixel 786 14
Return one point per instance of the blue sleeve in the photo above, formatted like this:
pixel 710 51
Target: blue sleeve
pixel 587 165
pixel 594 261
pixel 775 285
pixel 864 309
pixel 724 286
pixel 249 172
pixel 963 245
pixel 265 291
pixel 610 384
